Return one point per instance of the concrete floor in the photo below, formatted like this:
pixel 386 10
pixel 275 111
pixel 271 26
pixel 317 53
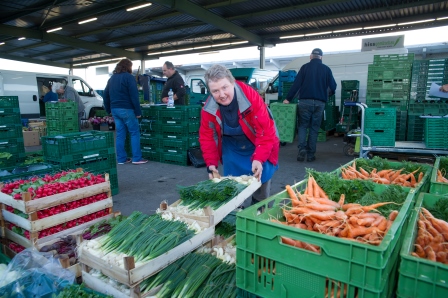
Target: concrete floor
pixel 143 187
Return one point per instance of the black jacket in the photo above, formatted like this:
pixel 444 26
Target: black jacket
pixel 176 83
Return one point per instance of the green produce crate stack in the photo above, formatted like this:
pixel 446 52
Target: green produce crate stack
pixel 285 116
pixel 435 133
pixel 379 125
pixel 168 132
pixel 286 79
pixel 61 117
pixel 12 149
pixel 93 151
pixel 347 89
pixel 388 86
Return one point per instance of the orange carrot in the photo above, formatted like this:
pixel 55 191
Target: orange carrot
pixel 430 254
pixel 366 221
pixel 325 201
pixel 292 195
pixel 420 177
pixel 420 251
pixel 393 215
pixel 320 207
pixel 341 200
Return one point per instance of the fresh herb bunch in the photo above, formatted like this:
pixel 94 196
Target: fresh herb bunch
pixel 440 209
pixel 210 193
pixel 393 193
pixel 102 227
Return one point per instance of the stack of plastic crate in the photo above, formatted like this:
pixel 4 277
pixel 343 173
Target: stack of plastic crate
pixel 388 86
pixel 424 73
pixel 11 137
pixel 286 79
pixel 150 134
pixel 62 117
pixel 93 151
pixel 379 125
pixel 349 92
pixel 435 133
pixel 180 132
pixel 285 116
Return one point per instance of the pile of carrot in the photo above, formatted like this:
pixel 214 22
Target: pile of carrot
pixel 432 238
pixel 312 210
pixel 387 176
pixel 441 177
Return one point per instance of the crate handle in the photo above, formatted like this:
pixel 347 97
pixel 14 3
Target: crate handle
pixel 297 244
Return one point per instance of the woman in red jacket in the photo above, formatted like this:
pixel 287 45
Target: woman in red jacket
pixel 238 131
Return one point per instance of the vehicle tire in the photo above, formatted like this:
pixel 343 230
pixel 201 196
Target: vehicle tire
pixel 349 150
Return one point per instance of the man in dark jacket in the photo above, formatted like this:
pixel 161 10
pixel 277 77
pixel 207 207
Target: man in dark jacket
pixel 175 83
pixel 314 83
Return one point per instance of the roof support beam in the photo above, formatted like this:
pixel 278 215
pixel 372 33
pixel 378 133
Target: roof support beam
pixel 68 41
pixel 208 17
pixel 32 9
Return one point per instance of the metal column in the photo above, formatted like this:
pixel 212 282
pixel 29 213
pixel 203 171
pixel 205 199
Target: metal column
pixel 262 57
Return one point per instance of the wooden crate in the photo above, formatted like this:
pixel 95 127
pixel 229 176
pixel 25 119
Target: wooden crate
pixel 34 225
pixel 131 275
pixel 213 217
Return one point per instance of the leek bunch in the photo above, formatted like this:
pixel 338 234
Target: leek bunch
pixel 145 237
pixel 221 283
pixel 210 193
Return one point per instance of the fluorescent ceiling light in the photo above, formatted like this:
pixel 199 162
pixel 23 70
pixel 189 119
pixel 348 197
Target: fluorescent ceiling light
pixel 55 29
pixel 89 20
pixel 203 47
pixel 164 52
pixel 319 33
pixel 2 43
pixel 154 53
pixel 138 7
pixel 444 18
pixel 416 22
pixel 292 36
pixel 221 44
pixel 21 38
pixel 347 30
pixel 238 42
pixel 106 60
pixel 381 26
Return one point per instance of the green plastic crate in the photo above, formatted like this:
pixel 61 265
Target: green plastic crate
pixel 380 136
pixel 10 119
pixel 175 157
pixel 93 163
pixel 380 117
pixel 27 171
pixel 10 131
pixel 151 153
pixel 80 142
pixel 350 84
pixel 285 116
pixel 56 132
pixel 180 130
pixel 401 105
pixel 9 101
pixel 150 126
pixel 62 125
pixel 181 144
pixel 151 112
pixel 180 113
pixel 408 57
pixel 418 277
pixel 13 146
pixel 438 188
pixel 154 142
pixel 435 132
pixel 100 113
pixel 269 268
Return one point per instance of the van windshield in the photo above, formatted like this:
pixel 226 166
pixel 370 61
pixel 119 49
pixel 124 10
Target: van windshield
pixel 81 87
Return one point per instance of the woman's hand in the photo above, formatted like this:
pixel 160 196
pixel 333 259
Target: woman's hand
pixel 257 169
pixel 214 172
pixel 444 88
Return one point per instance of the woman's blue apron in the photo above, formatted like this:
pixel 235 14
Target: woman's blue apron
pixel 237 150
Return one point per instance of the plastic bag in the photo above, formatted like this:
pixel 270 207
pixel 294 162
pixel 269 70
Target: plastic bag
pixel 34 274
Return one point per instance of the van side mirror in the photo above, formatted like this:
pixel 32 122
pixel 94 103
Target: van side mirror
pixel 34 97
pixel 92 93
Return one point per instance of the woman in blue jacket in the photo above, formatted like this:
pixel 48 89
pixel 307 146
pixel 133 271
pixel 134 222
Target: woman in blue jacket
pixel 121 99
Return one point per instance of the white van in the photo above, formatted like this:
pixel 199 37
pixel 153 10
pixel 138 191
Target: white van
pixel 28 87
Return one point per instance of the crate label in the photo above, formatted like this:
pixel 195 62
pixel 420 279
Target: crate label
pixel 89 156
pixel 2 126
pixel 172 137
pixel 171 122
pixel 147 148
pixel 172 151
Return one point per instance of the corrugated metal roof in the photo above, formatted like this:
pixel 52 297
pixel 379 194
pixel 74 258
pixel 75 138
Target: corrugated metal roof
pixel 184 25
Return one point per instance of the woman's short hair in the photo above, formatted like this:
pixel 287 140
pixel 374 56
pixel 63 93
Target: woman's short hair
pixel 218 72
pixel 56 86
pixel 125 65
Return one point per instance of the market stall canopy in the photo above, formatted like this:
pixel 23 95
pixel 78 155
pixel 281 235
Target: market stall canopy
pixel 79 33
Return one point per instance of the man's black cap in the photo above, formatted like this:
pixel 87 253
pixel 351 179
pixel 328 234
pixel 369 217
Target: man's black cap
pixel 317 51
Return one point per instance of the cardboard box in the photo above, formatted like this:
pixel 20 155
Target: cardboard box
pixel 31 138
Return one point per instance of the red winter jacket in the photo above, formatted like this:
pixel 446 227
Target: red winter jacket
pixel 255 120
